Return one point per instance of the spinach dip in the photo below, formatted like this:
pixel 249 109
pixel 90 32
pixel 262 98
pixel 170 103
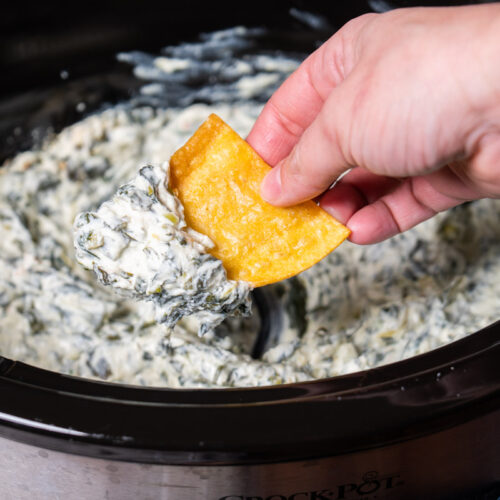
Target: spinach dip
pixel 361 307
pixel 138 243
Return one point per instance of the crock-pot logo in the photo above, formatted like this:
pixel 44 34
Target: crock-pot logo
pixel 370 484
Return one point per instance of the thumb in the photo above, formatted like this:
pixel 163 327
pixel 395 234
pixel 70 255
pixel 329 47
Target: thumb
pixel 315 162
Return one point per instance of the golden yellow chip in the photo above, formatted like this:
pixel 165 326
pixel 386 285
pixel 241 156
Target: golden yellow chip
pixel 217 177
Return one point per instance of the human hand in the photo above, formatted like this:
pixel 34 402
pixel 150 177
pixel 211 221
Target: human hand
pixel 409 100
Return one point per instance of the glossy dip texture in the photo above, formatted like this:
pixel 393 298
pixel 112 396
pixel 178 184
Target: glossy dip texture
pixel 358 308
pixel 138 243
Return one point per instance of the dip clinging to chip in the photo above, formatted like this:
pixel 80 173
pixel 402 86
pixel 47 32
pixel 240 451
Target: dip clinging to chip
pixel 195 238
pixel 216 175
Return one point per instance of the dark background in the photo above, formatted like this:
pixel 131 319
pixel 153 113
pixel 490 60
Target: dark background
pixel 55 54
pixel 38 40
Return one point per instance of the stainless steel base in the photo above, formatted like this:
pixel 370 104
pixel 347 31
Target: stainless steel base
pixel 443 465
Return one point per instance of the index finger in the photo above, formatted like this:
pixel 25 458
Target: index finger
pixel 297 102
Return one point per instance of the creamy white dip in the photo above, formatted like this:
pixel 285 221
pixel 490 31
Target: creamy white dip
pixel 360 307
pixel 138 243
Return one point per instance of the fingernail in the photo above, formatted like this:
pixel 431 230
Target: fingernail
pixel 270 188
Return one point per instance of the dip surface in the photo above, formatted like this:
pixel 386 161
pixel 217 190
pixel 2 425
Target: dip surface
pixel 138 243
pixel 360 307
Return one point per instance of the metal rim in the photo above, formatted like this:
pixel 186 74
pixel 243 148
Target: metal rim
pixel 362 410
pixel 358 411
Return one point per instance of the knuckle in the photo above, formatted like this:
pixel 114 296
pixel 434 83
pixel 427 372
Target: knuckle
pixel 299 174
pixel 484 166
pixel 287 123
pixel 329 132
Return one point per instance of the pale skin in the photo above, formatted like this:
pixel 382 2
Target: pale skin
pixel 407 103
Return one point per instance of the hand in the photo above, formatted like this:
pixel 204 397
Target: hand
pixel 407 102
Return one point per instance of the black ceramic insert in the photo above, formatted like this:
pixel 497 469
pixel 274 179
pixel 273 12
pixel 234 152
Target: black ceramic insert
pixel 421 395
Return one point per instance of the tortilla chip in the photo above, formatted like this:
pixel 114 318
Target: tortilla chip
pixel 217 177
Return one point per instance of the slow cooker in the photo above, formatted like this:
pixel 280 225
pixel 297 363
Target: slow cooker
pixel 423 428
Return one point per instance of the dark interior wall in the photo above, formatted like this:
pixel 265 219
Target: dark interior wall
pixel 57 54
pixel 39 39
